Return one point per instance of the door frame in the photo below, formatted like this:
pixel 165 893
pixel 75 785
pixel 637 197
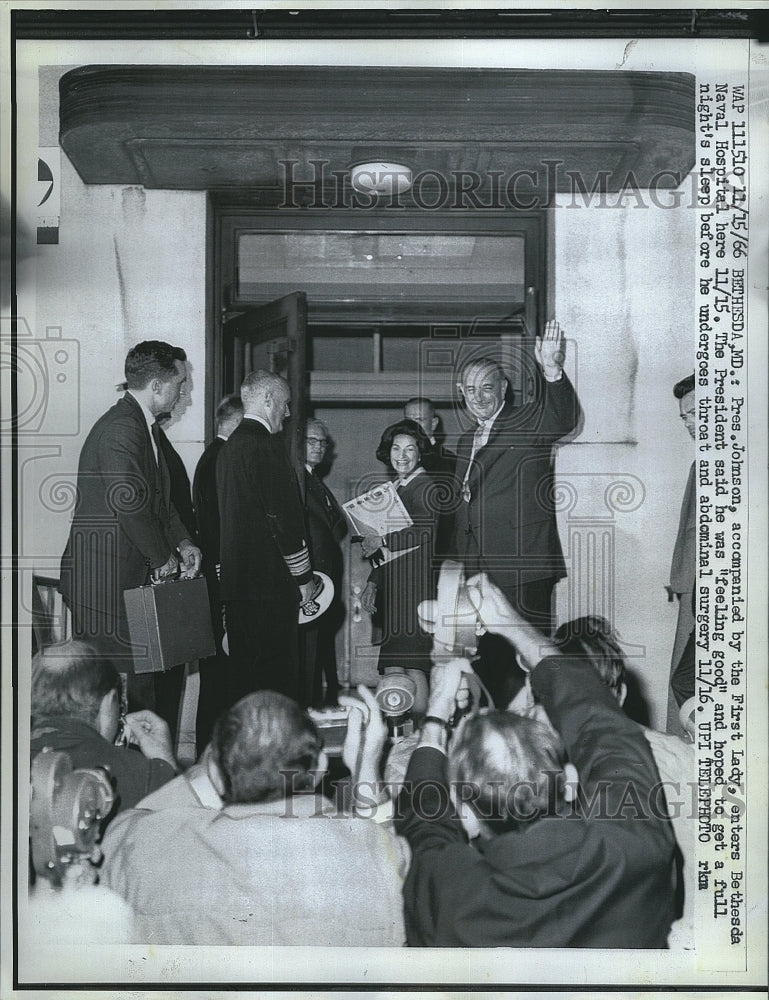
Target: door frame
pixel 231 212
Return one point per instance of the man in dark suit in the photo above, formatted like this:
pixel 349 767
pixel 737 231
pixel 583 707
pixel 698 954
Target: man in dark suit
pixel 214 687
pixel 181 491
pixel 125 528
pixel 170 683
pixel 327 526
pixel 265 562
pixel 505 523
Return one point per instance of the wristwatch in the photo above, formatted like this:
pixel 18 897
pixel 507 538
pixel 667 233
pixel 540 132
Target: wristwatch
pixel 440 722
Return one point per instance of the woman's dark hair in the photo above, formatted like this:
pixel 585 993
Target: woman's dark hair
pixel 409 427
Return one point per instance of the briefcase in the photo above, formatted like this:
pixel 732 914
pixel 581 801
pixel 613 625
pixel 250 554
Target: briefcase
pixel 169 624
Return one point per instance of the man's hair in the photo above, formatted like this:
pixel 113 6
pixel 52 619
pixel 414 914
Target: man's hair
pixel 686 385
pixel 265 747
pixel 510 768
pixel 150 360
pixel 258 382
pixel 592 638
pixel 70 680
pixel 478 365
pixel 409 427
pixel 317 423
pixel 229 407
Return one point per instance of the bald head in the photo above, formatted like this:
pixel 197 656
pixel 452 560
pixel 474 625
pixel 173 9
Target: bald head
pixel 71 680
pixel 229 413
pixel 421 411
pixel 266 395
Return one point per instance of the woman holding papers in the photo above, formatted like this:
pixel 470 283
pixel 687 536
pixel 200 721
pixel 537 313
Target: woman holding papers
pixel 403 558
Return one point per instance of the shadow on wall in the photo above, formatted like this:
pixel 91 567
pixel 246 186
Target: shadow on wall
pixel 25 248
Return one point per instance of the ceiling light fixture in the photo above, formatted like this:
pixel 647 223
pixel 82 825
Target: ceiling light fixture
pixel 379 177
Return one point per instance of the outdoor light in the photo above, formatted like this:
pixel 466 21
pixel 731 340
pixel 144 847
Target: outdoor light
pixel 380 178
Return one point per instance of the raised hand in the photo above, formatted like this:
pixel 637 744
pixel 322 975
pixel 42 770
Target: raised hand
pixel 493 608
pixel 366 734
pixel 445 685
pixel 550 349
pixel 500 617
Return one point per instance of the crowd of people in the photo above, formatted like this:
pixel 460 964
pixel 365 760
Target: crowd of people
pixel 526 810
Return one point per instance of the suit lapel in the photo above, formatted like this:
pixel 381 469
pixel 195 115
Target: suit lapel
pixel 164 475
pixel 323 498
pixel 156 472
pixel 489 453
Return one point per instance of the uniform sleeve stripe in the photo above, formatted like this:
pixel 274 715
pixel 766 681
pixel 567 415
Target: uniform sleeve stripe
pixel 298 562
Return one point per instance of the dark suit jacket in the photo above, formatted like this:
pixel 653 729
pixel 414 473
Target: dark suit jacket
pixel 441 464
pixel 682 567
pixel 124 523
pixel 577 879
pixel 508 528
pixel 133 774
pixel 441 460
pixel 207 504
pixel 261 518
pixel 181 495
pixel 327 526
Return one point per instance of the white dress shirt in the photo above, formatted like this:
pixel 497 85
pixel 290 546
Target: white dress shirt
pixel 149 416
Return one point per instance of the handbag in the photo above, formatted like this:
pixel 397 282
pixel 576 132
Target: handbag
pixel 169 623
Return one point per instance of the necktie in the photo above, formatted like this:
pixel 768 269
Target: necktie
pixel 477 445
pixel 162 467
pixel 319 486
pixel 155 430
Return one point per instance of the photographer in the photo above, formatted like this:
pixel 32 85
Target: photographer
pixel 570 851
pixel 251 852
pixel 76 708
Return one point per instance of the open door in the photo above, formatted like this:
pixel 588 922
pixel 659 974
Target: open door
pixel 272 337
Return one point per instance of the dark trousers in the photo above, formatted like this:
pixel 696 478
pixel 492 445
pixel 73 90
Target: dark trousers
pixel 158 691
pixel 496 664
pixel 318 660
pixel 263 643
pixel 168 696
pixel 213 672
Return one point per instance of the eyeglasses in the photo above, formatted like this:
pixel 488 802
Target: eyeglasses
pixel 319 441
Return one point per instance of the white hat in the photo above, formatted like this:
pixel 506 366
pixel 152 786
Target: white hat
pixel 322 596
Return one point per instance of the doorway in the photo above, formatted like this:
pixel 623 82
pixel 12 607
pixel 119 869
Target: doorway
pixel 393 306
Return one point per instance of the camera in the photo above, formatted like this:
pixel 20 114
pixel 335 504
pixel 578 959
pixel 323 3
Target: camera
pixel 395 696
pixel 332 726
pixel 66 811
pixel 47 374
